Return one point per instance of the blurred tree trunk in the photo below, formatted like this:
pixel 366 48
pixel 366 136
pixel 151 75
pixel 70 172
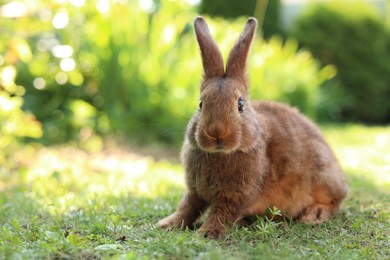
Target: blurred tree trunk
pixel 259 14
pixel 388 14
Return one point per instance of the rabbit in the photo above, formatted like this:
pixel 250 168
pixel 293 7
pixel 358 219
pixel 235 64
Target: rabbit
pixel 241 157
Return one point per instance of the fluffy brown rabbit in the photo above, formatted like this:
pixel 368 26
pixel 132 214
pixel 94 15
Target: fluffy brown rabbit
pixel 241 157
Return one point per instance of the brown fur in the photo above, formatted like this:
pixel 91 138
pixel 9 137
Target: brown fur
pixel 239 163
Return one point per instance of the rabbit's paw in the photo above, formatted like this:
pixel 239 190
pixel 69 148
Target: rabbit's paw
pixel 168 223
pixel 174 221
pixel 315 214
pixel 213 233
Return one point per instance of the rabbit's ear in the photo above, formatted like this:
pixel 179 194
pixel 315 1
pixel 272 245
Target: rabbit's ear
pixel 211 56
pixel 236 63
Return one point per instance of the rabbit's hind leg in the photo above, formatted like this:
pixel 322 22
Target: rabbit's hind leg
pixel 317 213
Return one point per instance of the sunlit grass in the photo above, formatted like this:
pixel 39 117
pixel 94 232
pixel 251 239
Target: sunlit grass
pixel 364 153
pixel 62 202
pixel 63 179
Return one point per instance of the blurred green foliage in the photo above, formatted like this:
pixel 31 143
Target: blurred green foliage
pixel 280 71
pixel 271 22
pixel 266 11
pixel 14 122
pixel 132 68
pixel 228 9
pixel 357 42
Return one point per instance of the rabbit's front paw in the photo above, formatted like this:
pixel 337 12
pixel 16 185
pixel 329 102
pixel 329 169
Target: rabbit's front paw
pixel 212 232
pixel 174 221
pixel 169 222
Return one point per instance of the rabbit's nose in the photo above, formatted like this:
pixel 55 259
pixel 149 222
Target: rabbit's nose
pixel 217 131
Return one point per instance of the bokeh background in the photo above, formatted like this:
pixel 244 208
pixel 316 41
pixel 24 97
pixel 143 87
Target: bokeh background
pixel 82 71
pixel 95 96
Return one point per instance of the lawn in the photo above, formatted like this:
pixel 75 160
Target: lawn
pixel 65 203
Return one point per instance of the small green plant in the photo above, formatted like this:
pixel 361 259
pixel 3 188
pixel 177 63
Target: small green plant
pixel 266 226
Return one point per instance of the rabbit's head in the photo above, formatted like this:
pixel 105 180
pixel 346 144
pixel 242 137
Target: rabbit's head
pixel 225 121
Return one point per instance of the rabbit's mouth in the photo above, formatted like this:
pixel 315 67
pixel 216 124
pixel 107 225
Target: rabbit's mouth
pixel 216 145
pixel 218 149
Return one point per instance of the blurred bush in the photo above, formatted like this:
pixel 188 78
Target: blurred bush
pixel 266 11
pixel 132 68
pixel 15 123
pixel 280 71
pixel 228 8
pixel 357 42
pixel 271 22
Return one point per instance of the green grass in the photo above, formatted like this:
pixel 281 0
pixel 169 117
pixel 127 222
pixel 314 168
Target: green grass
pixel 63 203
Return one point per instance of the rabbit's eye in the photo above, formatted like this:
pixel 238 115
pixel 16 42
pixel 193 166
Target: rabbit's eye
pixel 240 104
pixel 200 105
